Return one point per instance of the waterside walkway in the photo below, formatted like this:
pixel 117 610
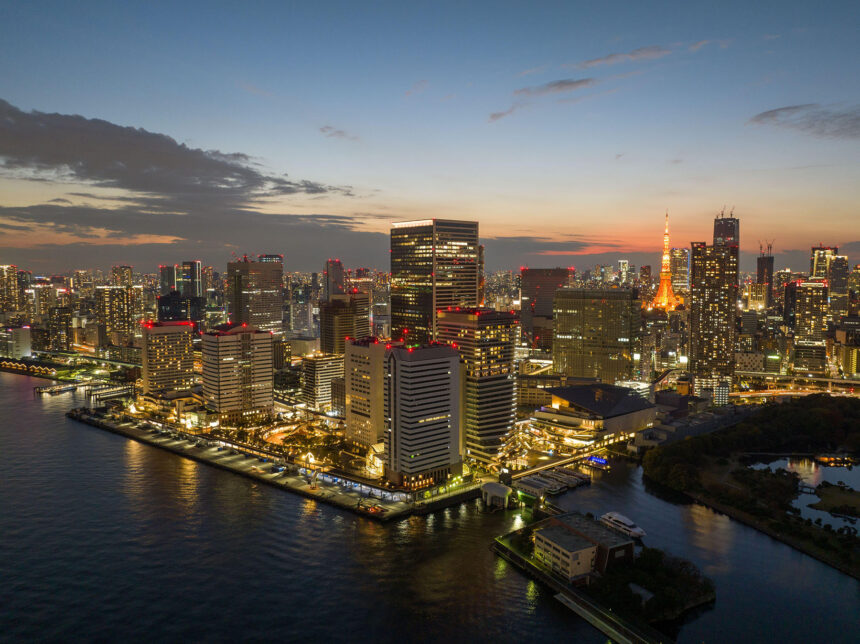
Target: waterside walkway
pixel 289 476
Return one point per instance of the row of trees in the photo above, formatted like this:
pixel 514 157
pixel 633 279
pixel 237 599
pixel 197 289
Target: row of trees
pixel 817 423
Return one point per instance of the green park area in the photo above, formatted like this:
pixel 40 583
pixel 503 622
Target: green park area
pixel 714 470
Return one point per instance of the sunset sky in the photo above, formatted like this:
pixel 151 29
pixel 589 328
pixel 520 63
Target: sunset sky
pixel 144 133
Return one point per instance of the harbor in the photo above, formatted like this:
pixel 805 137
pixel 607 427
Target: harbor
pixel 245 460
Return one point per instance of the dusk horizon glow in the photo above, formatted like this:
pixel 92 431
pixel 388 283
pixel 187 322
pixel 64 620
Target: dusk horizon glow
pixel 566 131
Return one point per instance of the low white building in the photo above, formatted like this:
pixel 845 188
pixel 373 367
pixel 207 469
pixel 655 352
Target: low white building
pixel 568 555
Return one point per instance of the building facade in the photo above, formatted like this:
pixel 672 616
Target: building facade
pixel 422 415
pixel 485 340
pixel 168 358
pixel 434 265
pixel 255 293
pixel 597 333
pixel 713 306
pixel 537 292
pixel 238 373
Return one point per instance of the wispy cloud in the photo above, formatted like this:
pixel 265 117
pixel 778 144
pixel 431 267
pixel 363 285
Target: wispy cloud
pixel 417 88
pixel 643 53
pixel 555 87
pixel 814 119
pixel 696 46
pixel 250 88
pixel 496 116
pixel 332 132
pixel 533 70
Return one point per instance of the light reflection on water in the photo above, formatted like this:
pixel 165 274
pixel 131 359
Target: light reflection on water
pixel 105 538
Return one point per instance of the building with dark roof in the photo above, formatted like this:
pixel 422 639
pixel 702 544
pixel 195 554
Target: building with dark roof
pixel 608 408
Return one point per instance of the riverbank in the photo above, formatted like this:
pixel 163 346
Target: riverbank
pixel 278 474
pixel 822 554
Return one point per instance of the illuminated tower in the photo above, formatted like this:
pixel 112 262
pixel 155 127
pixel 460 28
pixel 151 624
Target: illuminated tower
pixel 665 298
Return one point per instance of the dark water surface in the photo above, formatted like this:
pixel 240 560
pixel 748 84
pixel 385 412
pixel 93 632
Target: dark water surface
pixel 105 538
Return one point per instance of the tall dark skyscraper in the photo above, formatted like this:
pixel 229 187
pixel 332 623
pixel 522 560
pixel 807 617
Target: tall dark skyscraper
pixel 434 265
pixel 334 279
pixel 256 293
pixel 190 279
pixel 167 279
pixel 713 305
pixel 838 283
pixel 764 271
pixel 538 287
pixel 597 333
pixel 727 231
pixel 342 317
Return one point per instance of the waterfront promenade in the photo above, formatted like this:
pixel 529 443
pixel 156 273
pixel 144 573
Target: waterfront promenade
pixel 347 495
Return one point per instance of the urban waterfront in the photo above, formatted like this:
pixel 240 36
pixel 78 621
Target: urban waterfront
pixel 105 537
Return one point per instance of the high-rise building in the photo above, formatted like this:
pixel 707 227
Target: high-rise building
pixel 334 279
pixel 727 231
pixel 190 278
pixel 665 298
pixel 811 312
pixel 623 271
pixel 167 279
pixel 342 317
pixel 819 261
pixel 10 294
pixel 422 413
pixel 60 328
pixel 538 287
pixel 364 375
pixel 646 282
pixel 596 333
pixel 713 306
pixel 434 265
pixel 168 359
pixel 485 340
pixel 256 294
pixel 15 342
pixel 175 307
pixel 122 276
pixel 764 273
pixel 837 282
pixel 238 373
pixel 318 371
pixel 679 262
pixel 114 312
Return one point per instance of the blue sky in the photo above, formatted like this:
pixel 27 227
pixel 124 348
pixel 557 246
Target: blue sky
pixel 607 114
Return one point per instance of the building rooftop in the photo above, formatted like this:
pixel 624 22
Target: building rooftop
pixel 564 538
pixel 592 530
pixel 606 401
pixel 233 328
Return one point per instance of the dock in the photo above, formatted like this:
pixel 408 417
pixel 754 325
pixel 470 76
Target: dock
pixel 326 487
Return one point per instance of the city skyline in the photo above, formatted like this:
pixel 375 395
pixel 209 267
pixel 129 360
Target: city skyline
pixel 551 132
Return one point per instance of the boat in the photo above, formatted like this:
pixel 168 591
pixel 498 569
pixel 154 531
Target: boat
pixel 622 524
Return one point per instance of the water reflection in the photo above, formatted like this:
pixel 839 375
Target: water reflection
pixel 96 539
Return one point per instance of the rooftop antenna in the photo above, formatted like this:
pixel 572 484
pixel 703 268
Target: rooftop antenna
pixel 723 212
pixel 732 212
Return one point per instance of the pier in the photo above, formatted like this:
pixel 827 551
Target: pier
pixel 270 468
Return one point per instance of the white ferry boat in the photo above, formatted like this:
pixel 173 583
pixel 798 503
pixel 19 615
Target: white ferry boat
pixel 622 524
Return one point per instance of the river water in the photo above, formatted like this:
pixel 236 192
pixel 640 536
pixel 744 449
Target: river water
pixel 104 538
